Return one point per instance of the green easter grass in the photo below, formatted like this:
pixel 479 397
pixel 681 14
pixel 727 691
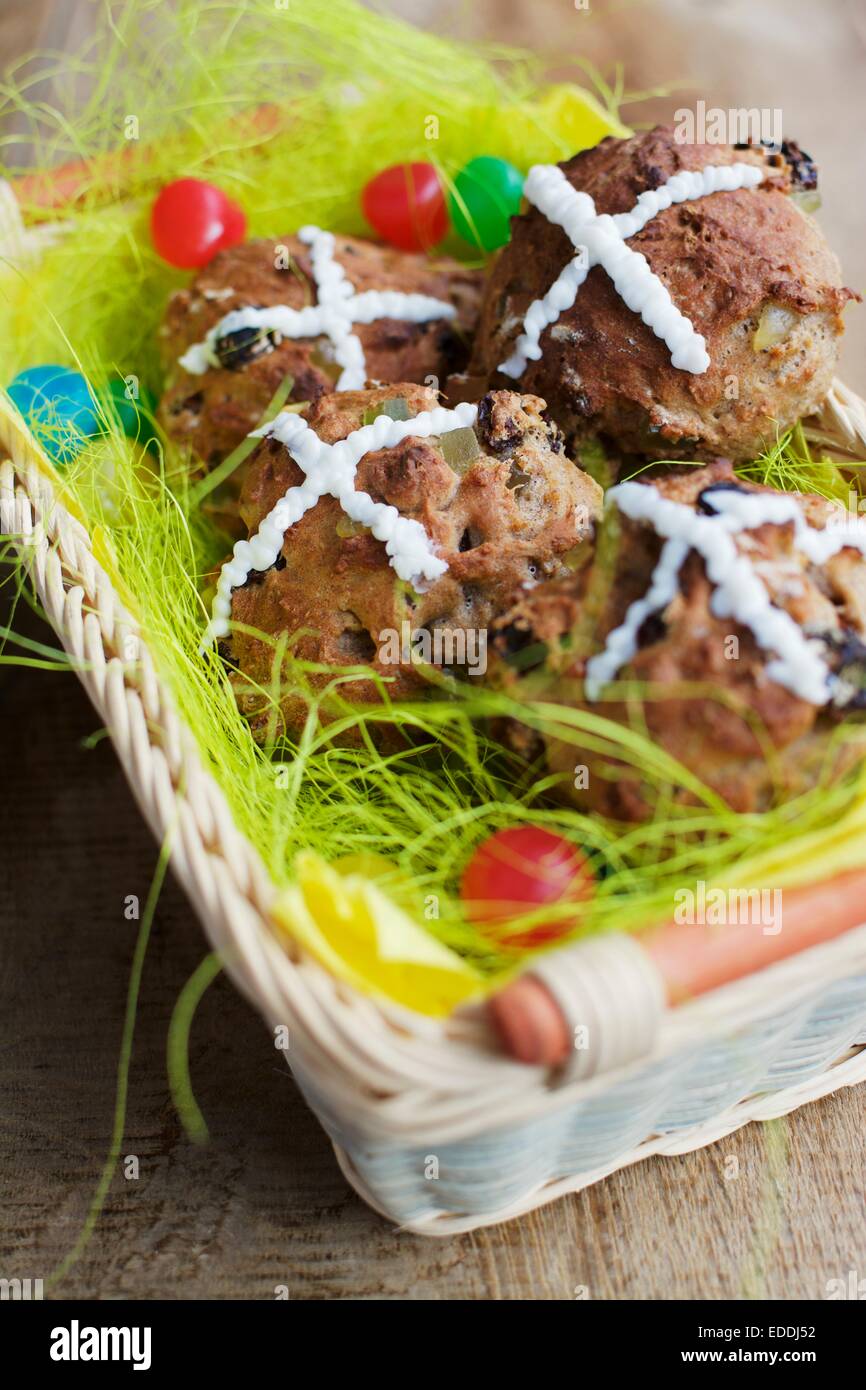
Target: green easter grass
pixel 353 92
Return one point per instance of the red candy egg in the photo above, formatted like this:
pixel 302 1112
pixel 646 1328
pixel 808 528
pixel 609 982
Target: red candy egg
pixel 405 204
pixel 191 221
pixel 518 870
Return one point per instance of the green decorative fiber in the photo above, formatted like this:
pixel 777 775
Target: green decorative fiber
pixel 177 1048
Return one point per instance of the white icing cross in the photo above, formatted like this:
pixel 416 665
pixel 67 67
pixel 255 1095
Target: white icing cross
pixel 330 472
pixel 332 317
pixel 600 240
pixel 740 594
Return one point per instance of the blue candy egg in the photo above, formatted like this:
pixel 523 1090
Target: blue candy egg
pixel 59 408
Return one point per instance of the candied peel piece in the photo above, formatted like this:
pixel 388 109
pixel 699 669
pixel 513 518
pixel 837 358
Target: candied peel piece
pixel 460 448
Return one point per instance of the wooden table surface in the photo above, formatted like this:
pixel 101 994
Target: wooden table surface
pixel 263 1204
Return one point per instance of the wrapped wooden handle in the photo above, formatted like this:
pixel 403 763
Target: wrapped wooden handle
pixel 538 1014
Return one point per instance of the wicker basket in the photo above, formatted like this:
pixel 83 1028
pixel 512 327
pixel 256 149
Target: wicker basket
pixel 431 1124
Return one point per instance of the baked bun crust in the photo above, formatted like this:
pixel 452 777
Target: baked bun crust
pixel 733 262
pixel 721 715
pixel 504 520
pixel 213 412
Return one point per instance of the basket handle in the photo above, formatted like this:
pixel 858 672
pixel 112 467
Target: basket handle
pixel 609 993
pixel 52 189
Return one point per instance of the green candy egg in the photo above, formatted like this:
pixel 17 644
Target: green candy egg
pixel 486 194
pixel 134 406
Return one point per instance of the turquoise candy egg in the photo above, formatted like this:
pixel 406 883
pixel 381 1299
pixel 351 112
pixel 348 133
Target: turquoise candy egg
pixel 59 408
pixel 486 195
